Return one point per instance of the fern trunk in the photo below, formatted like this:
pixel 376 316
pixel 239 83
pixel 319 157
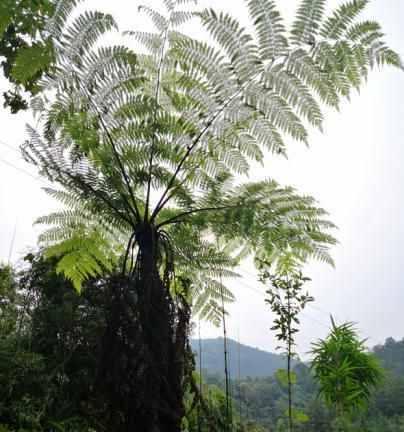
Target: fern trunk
pixel 145 348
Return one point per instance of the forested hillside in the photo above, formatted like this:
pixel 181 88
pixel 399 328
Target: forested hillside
pixel 243 359
pixel 391 354
pixel 264 399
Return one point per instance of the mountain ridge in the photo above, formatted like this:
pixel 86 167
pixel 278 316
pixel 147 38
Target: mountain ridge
pixel 254 362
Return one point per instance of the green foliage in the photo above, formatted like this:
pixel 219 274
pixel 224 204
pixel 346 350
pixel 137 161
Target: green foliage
pixel 270 28
pixel 346 372
pixel 308 20
pixel 20 368
pixel 178 124
pixel 284 378
pixel 391 355
pixel 335 26
pixel 207 411
pixel 151 151
pixel 48 370
pixel 9 298
pixel 48 366
pixel 181 122
pixel 264 398
pixel 83 254
pixel 7 283
pixel 31 61
pixel 48 360
pixel 299 417
pixel 286 301
pixel 25 51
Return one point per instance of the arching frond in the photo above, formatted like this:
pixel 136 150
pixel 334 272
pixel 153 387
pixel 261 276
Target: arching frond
pixel 296 93
pixel 159 20
pixel 277 111
pixel 152 41
pixel 308 19
pixel 178 18
pixel 82 256
pixel 85 31
pixel 362 31
pixel 306 69
pixel 237 43
pixel 62 11
pixel 270 29
pixel 335 26
pixel 380 54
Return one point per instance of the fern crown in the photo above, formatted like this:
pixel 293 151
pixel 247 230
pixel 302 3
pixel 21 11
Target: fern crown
pixel 166 137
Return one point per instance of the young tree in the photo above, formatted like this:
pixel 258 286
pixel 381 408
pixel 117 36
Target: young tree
pixel 286 300
pixel 345 371
pixel 151 152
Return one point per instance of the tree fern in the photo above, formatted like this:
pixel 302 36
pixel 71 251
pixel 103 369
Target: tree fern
pixel 152 151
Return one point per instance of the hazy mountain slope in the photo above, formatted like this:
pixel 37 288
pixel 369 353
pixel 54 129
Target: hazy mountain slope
pixel 253 361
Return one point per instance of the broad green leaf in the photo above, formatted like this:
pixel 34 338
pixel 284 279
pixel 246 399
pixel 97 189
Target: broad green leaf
pixel 32 60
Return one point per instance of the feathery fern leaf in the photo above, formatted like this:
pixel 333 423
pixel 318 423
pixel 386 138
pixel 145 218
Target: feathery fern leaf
pixel 270 29
pixel 307 22
pixel 235 41
pixel 335 26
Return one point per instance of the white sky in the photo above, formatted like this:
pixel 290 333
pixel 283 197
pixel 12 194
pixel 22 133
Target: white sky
pixel 354 169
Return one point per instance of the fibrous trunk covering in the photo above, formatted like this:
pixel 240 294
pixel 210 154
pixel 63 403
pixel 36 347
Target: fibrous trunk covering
pixel 144 348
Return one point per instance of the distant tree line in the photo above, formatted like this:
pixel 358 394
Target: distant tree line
pixel 264 399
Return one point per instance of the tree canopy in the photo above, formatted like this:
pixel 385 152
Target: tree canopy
pixel 160 138
pixel 26 51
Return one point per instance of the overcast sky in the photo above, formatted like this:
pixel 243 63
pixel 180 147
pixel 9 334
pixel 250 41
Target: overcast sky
pixel 354 169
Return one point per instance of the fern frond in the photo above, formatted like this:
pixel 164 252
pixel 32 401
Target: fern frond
pixel 62 11
pixel 85 31
pixel 335 26
pixel 151 41
pixel 211 63
pixel 179 18
pixel 178 124
pixel 82 256
pixel 105 61
pixel 235 41
pixel 160 22
pixel 295 92
pixel 270 29
pixel 340 65
pixel 268 136
pixel 169 4
pixel 277 111
pixel 307 23
pixel 362 31
pixel 380 54
pixel 307 70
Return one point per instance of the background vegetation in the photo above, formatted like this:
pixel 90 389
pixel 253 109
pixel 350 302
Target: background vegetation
pixel 264 399
pixel 50 338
